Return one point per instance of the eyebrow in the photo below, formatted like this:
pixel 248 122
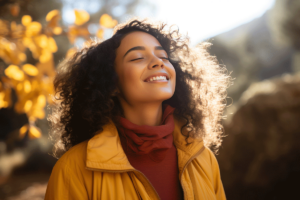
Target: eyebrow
pixel 142 48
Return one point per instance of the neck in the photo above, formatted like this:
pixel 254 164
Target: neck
pixel 143 114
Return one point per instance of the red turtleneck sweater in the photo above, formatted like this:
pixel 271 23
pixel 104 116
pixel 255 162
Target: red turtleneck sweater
pixel 163 173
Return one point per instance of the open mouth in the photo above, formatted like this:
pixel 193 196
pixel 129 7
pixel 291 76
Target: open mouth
pixel 157 78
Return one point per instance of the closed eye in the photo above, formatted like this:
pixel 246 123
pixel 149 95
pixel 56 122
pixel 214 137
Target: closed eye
pixel 136 59
pixel 164 58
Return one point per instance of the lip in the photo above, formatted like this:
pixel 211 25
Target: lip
pixel 157 74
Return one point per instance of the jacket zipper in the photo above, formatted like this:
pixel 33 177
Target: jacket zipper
pixel 187 163
pixel 149 183
pixel 134 170
pixel 130 170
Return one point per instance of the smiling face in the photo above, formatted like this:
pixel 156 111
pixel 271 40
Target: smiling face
pixel 145 73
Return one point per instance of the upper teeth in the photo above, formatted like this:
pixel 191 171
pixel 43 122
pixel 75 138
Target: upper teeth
pixel 158 78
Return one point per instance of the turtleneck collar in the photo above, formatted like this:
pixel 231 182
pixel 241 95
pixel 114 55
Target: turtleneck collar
pixel 153 141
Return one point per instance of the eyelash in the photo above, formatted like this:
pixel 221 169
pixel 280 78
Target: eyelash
pixel 142 58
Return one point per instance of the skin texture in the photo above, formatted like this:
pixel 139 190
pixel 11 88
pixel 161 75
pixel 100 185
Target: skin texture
pixel 141 100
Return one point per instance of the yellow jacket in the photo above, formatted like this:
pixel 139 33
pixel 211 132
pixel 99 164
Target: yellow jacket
pixel 99 169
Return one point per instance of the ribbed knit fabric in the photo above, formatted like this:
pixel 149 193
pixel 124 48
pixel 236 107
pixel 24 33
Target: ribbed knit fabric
pixel 152 141
pixel 163 172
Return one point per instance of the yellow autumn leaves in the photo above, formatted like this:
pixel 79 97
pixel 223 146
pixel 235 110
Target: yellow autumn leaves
pixel 81 30
pixel 107 21
pixel 33 84
pixel 81 16
pixel 34 132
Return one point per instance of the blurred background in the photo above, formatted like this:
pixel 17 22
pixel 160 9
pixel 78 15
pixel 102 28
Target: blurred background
pixel 258 41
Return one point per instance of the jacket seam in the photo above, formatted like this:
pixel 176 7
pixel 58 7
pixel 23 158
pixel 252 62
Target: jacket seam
pixel 146 183
pixel 69 180
pixel 119 166
pixel 134 184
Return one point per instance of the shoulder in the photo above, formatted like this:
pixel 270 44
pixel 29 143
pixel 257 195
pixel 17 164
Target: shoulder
pixel 74 157
pixel 207 160
pixel 208 155
pixel 69 176
pixel 72 165
pixel 209 164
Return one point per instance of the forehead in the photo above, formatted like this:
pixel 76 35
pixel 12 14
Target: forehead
pixel 138 38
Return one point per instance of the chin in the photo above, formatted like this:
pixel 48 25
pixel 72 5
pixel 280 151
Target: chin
pixel 164 97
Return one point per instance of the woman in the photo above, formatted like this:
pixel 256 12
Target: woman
pixel 136 114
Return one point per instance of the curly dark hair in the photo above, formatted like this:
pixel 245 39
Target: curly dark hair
pixel 85 86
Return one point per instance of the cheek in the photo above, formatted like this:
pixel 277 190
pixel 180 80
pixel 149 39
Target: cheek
pixel 131 76
pixel 130 80
pixel 173 74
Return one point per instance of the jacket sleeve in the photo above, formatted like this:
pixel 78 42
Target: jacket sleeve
pixel 64 184
pixel 218 186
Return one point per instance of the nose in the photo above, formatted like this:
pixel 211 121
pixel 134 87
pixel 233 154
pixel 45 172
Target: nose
pixel 156 63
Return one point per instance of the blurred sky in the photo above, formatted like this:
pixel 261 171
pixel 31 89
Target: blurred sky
pixel 201 19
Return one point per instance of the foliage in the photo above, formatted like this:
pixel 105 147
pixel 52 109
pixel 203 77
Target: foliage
pixel 32 83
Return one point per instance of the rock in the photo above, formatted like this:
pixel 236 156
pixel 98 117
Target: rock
pixel 260 156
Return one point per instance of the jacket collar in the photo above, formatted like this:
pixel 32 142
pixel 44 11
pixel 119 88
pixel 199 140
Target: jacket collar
pixel 105 152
